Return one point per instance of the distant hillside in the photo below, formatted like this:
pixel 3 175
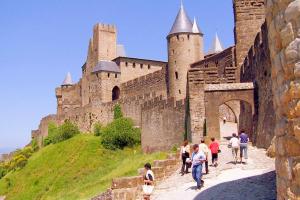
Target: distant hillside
pixel 5 150
pixel 75 169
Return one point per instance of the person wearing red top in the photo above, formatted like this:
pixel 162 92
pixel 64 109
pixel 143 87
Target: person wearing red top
pixel 214 148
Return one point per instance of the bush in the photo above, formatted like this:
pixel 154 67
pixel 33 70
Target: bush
pixel 117 112
pixel 120 133
pixel 97 129
pixel 18 162
pixel 3 170
pixel 58 134
pixel 34 145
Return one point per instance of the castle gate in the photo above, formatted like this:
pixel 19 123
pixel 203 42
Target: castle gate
pixel 216 95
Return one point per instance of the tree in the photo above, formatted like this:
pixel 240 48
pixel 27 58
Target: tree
pixel 120 133
pixel 118 112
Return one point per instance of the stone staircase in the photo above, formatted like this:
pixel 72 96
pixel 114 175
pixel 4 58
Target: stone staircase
pixel 130 188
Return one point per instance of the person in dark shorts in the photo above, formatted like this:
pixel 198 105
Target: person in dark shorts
pixel 244 139
pixel 148 181
pixel 185 154
pixel 214 148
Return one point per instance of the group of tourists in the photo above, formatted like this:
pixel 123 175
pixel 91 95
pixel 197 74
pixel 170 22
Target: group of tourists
pixel 239 144
pixel 197 158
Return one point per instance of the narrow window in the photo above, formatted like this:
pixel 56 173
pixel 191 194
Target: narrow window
pixel 176 75
pixel 142 66
pixel 108 75
pixel 177 37
pixel 149 66
pixel 188 37
pixel 126 64
pixel 133 65
pixel 179 91
pixel 116 75
pixel 173 51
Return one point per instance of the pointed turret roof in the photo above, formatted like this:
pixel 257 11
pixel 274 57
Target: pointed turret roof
pixel 182 22
pixel 196 28
pixel 216 46
pixel 68 79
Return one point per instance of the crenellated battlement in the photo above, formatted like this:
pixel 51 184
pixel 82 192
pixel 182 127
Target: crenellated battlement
pixel 257 54
pixel 105 27
pixel 164 103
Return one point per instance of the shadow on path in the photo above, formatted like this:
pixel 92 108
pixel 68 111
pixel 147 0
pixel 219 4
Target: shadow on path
pixel 261 187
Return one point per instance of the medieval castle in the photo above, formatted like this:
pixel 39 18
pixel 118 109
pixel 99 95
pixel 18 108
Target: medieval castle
pixel 254 83
pixel 165 99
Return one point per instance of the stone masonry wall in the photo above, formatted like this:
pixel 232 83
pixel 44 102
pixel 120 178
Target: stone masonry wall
pixel 283 20
pixel 257 69
pixel 162 124
pixel 132 68
pixel 130 188
pixel 248 15
pixel 217 68
pixel 148 86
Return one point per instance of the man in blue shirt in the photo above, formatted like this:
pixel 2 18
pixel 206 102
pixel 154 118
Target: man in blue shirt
pixel 198 158
pixel 244 139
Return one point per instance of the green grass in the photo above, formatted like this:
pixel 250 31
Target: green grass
pixel 76 169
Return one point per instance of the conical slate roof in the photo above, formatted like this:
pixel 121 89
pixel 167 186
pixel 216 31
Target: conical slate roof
pixel 182 23
pixel 196 28
pixel 216 46
pixel 68 79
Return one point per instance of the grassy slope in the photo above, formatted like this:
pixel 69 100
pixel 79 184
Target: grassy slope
pixel 75 169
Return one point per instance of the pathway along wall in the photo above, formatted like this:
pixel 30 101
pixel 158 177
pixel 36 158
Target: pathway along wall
pixel 283 20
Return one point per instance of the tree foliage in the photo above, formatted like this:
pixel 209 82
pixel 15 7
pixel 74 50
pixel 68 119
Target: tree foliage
pixel 60 133
pixel 120 133
pixel 118 112
pixel 97 130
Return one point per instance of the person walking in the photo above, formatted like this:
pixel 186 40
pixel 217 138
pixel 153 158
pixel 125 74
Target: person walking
pixel 234 143
pixel 244 139
pixel 198 158
pixel 185 154
pixel 203 147
pixel 214 148
pixel 148 181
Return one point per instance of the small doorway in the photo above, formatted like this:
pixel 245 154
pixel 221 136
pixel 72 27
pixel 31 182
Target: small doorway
pixel 115 93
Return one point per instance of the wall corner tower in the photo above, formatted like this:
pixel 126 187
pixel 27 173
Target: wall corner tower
pixel 185 46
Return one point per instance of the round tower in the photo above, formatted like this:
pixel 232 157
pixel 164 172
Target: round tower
pixel 185 46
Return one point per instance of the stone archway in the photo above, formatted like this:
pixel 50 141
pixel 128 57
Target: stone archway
pixel 116 93
pixel 217 94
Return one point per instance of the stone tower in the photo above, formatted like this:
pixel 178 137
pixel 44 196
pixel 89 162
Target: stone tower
pixel 185 46
pixel 102 47
pixel 249 15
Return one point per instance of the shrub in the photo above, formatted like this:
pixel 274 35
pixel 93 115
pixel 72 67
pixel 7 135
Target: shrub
pixel 58 134
pixel 34 145
pixel 117 112
pixel 18 161
pixel 97 129
pixel 120 133
pixel 3 169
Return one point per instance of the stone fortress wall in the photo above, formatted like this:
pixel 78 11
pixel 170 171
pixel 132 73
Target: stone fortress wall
pixel 248 17
pixel 283 22
pixel 257 69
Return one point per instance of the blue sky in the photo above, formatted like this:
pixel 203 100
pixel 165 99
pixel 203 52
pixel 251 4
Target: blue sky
pixel 40 41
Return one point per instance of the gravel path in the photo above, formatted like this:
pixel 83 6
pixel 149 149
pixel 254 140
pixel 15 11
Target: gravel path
pixel 254 180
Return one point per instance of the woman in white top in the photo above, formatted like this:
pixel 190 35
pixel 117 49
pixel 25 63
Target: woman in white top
pixel 185 154
pixel 234 143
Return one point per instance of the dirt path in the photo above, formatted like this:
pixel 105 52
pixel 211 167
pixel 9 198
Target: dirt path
pixel 255 180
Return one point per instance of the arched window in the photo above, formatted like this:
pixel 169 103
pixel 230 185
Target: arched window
pixel 115 93
pixel 176 75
